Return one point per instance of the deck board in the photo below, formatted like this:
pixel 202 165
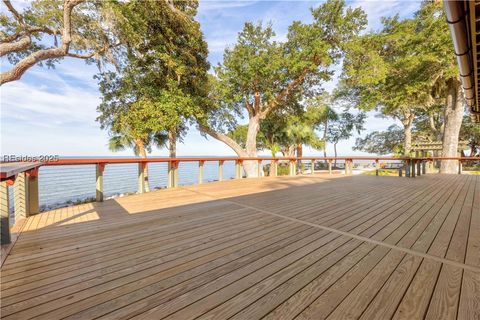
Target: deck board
pixel 305 247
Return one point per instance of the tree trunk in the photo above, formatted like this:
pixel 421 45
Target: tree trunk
pixel 143 154
pixel 453 121
pixel 172 143
pixel 407 142
pixel 407 121
pixel 299 155
pixel 251 167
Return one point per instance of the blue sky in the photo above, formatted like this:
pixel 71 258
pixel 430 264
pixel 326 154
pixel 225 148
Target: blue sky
pixel 54 111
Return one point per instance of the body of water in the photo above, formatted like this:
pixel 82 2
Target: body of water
pixel 61 185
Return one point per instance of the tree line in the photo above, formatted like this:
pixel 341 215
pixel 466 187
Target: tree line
pixel 156 81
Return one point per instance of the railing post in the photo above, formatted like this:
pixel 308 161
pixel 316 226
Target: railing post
pixel 176 179
pixel 259 168
pixel 330 166
pixel 312 167
pixel 33 195
pixel 412 170
pixel 141 177
pixel 407 168
pixel 348 167
pixel 459 166
pixel 170 175
pixel 423 163
pixel 220 170
pixel 419 168
pixel 200 171
pixel 238 169
pixel 20 196
pixel 292 167
pixel 377 167
pixel 5 213
pixel 275 168
pixel 99 168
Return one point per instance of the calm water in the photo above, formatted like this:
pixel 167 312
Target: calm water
pixel 59 185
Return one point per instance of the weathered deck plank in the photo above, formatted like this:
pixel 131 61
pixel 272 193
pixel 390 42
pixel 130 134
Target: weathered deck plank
pixel 308 247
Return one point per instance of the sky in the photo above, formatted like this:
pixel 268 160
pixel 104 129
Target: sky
pixel 53 111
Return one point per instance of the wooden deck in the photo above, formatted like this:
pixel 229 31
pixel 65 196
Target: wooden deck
pixel 307 247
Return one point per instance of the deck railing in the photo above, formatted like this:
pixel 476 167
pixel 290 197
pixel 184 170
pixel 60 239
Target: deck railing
pixel 24 176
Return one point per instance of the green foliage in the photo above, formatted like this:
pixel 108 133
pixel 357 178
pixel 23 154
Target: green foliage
pixel 382 142
pixel 470 132
pixel 345 125
pixel 40 31
pixel 259 75
pixel 401 70
pixel 162 83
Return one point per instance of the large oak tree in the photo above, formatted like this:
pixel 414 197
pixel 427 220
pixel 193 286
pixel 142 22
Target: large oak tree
pixel 259 74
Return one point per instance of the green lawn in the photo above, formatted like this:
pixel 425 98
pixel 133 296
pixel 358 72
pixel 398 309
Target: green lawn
pixel 383 172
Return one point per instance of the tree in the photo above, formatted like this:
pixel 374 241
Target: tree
pixel 162 83
pixel 322 104
pixel 74 28
pixel 47 31
pixel 382 142
pixel 471 132
pixel 381 71
pixel 440 71
pixel 258 75
pixel 344 127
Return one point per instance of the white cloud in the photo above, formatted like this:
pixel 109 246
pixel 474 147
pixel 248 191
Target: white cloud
pixel 35 104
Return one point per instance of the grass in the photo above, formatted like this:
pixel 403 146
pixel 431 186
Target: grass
pixel 382 172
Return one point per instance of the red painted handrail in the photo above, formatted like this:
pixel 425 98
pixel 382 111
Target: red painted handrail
pixel 105 161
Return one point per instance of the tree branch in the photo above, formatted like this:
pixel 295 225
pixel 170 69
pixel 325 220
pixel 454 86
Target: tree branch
pixel 44 54
pixel 285 92
pixel 80 56
pixel 22 44
pixel 15 13
pixel 224 138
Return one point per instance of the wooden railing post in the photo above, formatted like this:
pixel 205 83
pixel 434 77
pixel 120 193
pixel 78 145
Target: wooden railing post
pixel 330 166
pixel 200 171
pixel 20 196
pixel 275 168
pixel 348 167
pixel 259 168
pixel 412 170
pixel 176 179
pixel 407 168
pixel 312 167
pixel 292 167
pixel 5 213
pixel 377 167
pixel 141 177
pixel 220 170
pixel 459 166
pixel 99 168
pixel 33 195
pixel 238 169
pixel 423 163
pixel 419 168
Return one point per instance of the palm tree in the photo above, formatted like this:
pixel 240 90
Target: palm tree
pixel 140 147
